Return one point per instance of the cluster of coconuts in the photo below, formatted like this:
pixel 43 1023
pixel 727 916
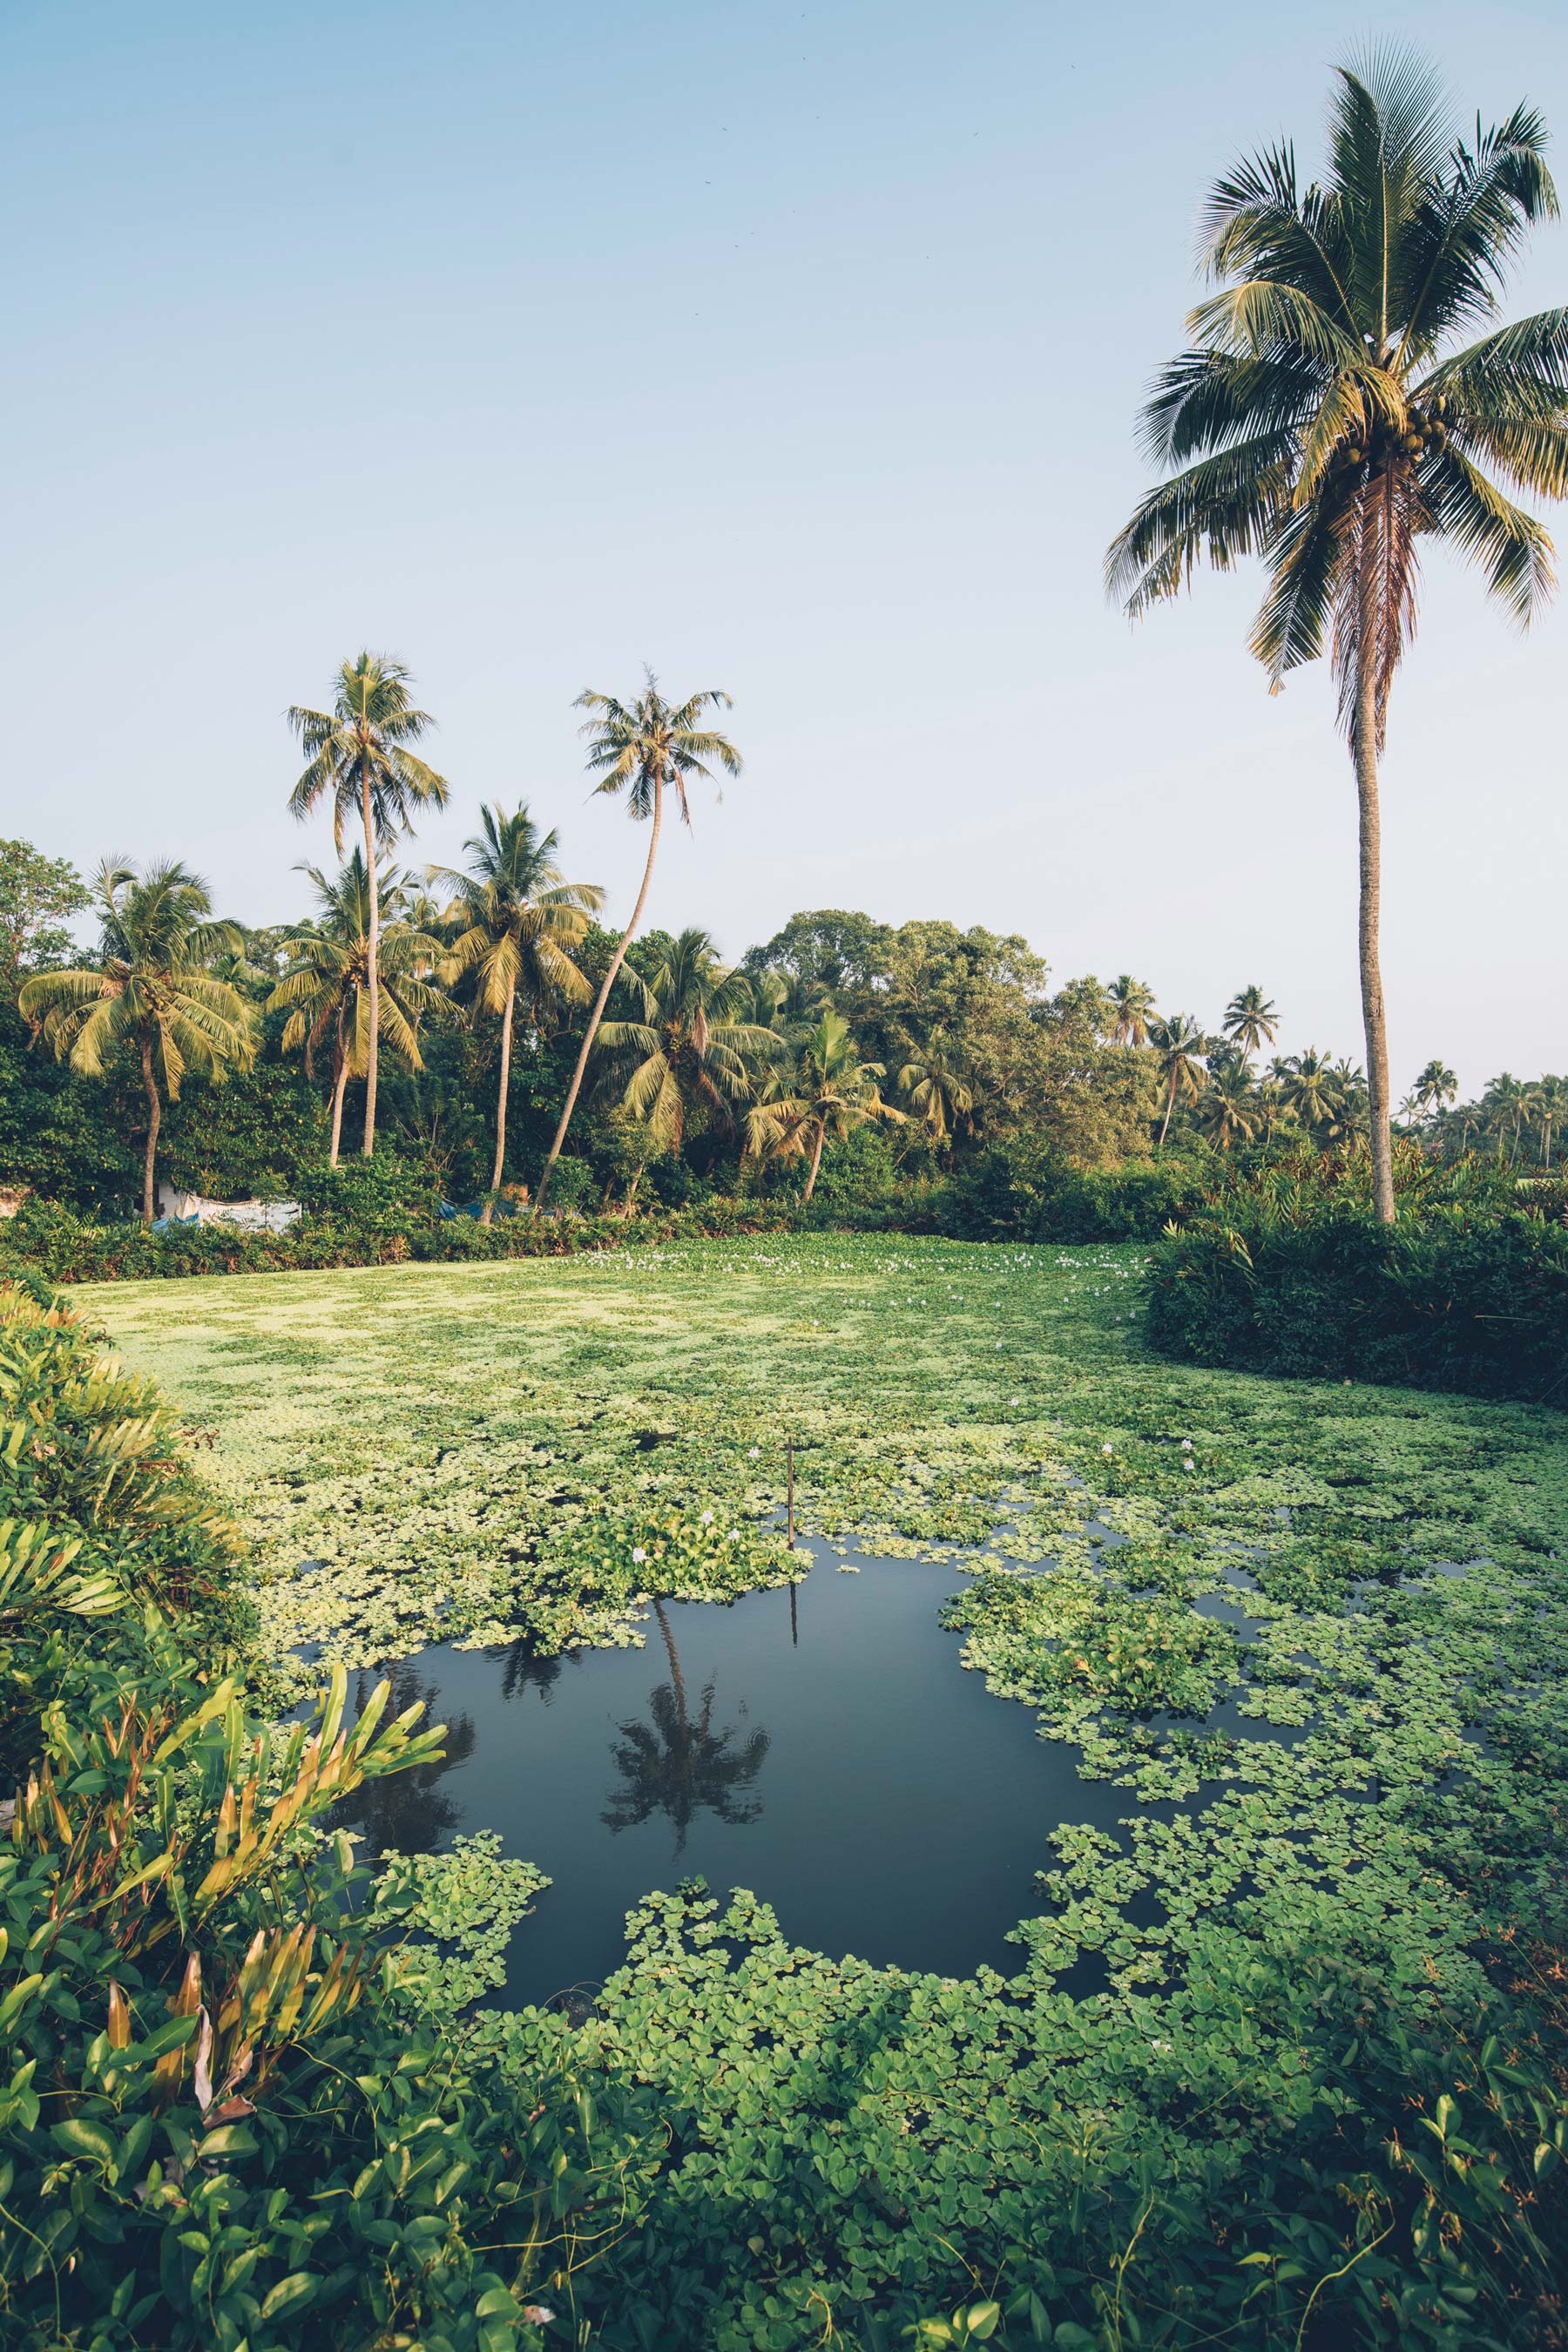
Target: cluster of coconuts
pixel 1426 430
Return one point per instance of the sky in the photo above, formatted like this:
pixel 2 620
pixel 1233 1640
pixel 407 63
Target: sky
pixel 790 351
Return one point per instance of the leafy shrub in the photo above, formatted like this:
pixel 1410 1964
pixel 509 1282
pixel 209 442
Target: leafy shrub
pixel 1452 1303
pixel 238 2102
pixel 1020 1188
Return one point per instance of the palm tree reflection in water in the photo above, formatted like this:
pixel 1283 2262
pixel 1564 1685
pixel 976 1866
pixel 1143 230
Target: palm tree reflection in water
pixel 679 1765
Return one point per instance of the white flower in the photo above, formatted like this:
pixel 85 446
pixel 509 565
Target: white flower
pixel 1162 2049
pixel 1105 1449
pixel 1188 1462
pixel 733 1536
pixel 638 1554
pixel 538 2314
pixel 706 1518
pixel 753 1451
pixel 1014 1399
pixel 1186 1445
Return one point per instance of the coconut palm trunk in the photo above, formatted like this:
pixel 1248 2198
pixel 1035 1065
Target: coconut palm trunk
pixel 1364 749
pixel 1170 1107
pixel 487 1214
pixel 154 1121
pixel 373 969
pixel 340 1088
pixel 603 998
pixel 815 1162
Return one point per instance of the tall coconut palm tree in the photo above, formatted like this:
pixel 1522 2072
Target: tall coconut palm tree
pixel 1335 424
pixel 1435 1086
pixel 518 924
pixel 830 1092
pixel 149 991
pixel 1250 1020
pixel 1133 1009
pixel 326 991
pixel 644 747
pixel 685 1050
pixel 358 754
pixel 1181 1045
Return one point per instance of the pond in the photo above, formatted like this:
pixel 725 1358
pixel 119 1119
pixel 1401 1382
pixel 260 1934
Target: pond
pixel 821 1745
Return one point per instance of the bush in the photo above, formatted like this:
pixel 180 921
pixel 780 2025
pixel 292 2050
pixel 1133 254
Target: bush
pixel 1478 1304
pixel 237 2105
pixel 1020 1188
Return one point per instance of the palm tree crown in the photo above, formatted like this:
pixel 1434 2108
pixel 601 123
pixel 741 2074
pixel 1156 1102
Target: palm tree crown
pixel 1329 416
pixel 1250 1020
pixel 150 989
pixel 359 756
pixel 685 1049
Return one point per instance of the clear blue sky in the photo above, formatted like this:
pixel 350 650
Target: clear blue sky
pixel 791 349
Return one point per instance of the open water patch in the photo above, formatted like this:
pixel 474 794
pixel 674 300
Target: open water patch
pixel 820 1744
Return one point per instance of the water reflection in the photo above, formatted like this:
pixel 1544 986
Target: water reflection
pixel 677 1765
pixel 408 1812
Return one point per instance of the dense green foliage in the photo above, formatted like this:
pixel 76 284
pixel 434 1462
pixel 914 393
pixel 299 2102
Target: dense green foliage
pixel 235 2110
pixel 1286 2057
pixel 1469 1290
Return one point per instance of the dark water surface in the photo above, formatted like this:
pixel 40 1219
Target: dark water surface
pixel 834 1757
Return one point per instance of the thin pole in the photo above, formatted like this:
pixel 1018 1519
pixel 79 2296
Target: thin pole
pixel 789 1455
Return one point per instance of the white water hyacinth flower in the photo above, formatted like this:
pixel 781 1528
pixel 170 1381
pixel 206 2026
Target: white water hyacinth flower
pixel 1162 2049
pixel 1105 1449
pixel 753 1451
pixel 638 1555
pixel 1186 1445
pixel 1188 1462
pixel 706 1518
pixel 733 1536
pixel 1014 1399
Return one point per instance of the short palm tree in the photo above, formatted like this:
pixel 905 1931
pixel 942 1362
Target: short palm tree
pixel 1307 1082
pixel 644 747
pixel 359 757
pixel 830 1092
pixel 1181 1045
pixel 685 1050
pixel 518 924
pixel 1228 1110
pixel 938 1095
pixel 1325 420
pixel 326 991
pixel 151 991
pixel 1250 1020
pixel 1133 1009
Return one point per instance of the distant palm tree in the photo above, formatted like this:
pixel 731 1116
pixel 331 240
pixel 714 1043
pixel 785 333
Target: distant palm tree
pixel 1133 1009
pixel 358 753
pixel 1435 1086
pixel 789 1003
pixel 644 747
pixel 1228 1108
pixel 686 1050
pixel 939 1093
pixel 1308 1083
pixel 1181 1045
pixel 1250 1020
pixel 326 992
pixel 151 991
pixel 1334 426
pixel 519 925
pixel 831 1092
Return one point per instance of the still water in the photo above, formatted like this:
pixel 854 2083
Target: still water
pixel 824 1747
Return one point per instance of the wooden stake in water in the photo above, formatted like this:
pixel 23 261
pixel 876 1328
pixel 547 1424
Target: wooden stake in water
pixel 789 1455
